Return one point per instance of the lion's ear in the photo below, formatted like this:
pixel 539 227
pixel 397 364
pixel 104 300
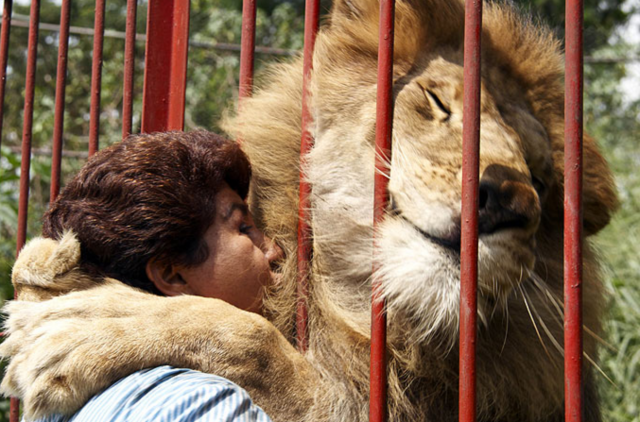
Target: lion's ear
pixel 418 24
pixel 600 199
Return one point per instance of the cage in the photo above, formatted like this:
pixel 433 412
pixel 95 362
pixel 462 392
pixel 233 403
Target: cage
pixel 163 104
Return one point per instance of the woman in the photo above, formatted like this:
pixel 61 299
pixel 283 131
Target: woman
pixel 166 213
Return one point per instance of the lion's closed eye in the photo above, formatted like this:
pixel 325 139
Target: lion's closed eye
pixel 442 112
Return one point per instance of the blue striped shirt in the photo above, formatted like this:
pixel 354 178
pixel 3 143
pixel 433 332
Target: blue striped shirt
pixel 169 394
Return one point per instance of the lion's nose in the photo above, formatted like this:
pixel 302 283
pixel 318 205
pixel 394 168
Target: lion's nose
pixel 506 202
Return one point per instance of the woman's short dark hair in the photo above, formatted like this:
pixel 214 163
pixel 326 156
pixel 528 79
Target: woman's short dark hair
pixel 149 196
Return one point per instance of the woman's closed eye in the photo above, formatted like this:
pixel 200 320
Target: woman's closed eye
pixel 245 228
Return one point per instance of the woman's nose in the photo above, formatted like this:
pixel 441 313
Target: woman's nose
pixel 272 251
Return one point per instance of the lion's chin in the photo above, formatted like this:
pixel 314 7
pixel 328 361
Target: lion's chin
pixel 421 278
pixel 505 259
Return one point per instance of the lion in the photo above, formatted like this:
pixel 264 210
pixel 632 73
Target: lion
pixel 520 305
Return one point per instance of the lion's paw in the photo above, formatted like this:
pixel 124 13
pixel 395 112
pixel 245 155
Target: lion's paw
pixel 42 260
pixel 53 390
pixel 47 268
pixel 48 369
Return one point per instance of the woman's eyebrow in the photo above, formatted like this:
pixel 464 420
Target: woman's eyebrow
pixel 237 206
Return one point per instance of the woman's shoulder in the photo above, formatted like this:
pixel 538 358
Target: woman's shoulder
pixel 165 393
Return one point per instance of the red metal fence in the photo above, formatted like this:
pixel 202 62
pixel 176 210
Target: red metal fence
pixel 469 217
pixel 163 109
pixel 573 212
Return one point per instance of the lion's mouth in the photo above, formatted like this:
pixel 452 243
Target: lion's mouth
pixel 505 256
pixel 451 242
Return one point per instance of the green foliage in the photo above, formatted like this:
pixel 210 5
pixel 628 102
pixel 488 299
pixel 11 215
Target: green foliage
pixel 9 178
pixel 212 78
pixel 616 125
pixel 601 18
pixel 39 173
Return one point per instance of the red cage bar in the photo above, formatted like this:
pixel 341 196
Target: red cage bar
pixel 167 49
pixel 23 205
pixel 4 55
pixel 32 54
pixel 61 83
pixel 311 22
pixel 247 48
pixel 163 109
pixel 384 125
pixel 129 67
pixel 469 217
pixel 96 77
pixel 573 212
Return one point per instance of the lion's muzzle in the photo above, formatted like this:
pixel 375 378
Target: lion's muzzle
pixel 507 200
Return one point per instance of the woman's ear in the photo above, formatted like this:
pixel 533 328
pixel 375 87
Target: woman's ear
pixel 166 278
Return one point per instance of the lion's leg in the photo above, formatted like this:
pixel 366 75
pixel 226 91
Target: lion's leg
pixel 67 349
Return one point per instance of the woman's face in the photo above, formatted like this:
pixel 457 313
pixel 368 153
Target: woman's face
pixel 239 264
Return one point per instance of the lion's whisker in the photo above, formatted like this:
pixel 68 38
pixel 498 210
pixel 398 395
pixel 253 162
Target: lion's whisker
pixel 546 296
pixel 546 329
pixel 599 339
pixel 595 365
pixel 535 326
pixel 543 288
pixel 506 330
pixel 386 162
pixel 495 293
pixel 559 307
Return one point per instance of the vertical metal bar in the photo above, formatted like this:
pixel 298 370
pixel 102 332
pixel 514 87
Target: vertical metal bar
pixel 469 235
pixel 247 47
pixel 4 55
pixel 165 74
pixel 573 212
pixel 32 53
pixel 311 22
pixel 129 65
pixel 61 84
pixel 96 77
pixel 384 125
pixel 14 410
pixel 23 204
pixel 179 56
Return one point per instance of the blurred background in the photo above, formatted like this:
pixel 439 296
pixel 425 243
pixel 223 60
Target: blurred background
pixel 612 115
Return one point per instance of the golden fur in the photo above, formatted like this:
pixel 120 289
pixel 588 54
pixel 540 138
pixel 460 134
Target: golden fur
pixel 520 375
